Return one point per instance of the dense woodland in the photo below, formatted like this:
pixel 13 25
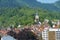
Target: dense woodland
pixel 24 15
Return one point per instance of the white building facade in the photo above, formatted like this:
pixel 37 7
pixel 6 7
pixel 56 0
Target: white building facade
pixel 45 34
pixel 55 36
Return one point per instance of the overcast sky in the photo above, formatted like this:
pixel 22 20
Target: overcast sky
pixel 47 1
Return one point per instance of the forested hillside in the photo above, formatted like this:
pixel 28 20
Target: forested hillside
pixel 31 4
pixel 24 15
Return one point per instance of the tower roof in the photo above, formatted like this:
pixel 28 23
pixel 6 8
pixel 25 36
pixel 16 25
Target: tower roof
pixel 36 16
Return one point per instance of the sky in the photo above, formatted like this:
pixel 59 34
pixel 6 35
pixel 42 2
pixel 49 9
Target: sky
pixel 47 1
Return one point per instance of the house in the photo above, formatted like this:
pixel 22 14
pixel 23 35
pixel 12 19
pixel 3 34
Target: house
pixel 51 34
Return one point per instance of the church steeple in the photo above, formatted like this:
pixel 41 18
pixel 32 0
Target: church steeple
pixel 36 16
pixel 37 19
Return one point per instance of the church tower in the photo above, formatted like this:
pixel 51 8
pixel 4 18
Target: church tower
pixel 37 19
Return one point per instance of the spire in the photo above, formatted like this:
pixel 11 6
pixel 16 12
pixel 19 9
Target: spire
pixel 37 16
